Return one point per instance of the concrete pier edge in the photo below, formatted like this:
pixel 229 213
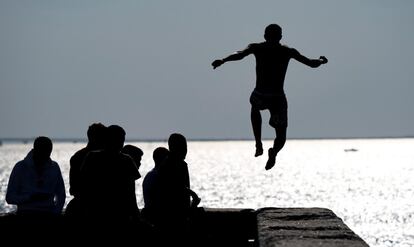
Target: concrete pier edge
pixel 293 227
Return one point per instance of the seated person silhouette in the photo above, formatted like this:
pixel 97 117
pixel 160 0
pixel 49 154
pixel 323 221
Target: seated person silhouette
pixel 107 178
pixel 136 154
pixel 174 191
pixel 272 59
pixel 36 185
pixel 96 138
pixel 151 190
pixel 150 185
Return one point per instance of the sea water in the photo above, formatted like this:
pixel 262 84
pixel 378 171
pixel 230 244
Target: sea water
pixel 366 182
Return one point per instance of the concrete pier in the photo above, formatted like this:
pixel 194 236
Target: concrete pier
pixel 293 227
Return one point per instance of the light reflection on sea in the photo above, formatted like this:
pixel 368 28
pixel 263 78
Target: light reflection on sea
pixel 370 187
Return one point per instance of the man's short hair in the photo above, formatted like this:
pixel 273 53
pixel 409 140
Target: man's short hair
pixel 273 32
pixel 96 132
pixel 177 144
pixel 175 141
pixel 159 155
pixel 115 137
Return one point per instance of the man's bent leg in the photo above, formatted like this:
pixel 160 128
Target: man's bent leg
pixel 256 119
pixel 278 144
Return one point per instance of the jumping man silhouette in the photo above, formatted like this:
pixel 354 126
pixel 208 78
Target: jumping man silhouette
pixel 272 59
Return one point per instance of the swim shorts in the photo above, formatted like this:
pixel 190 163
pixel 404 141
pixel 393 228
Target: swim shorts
pixel 275 103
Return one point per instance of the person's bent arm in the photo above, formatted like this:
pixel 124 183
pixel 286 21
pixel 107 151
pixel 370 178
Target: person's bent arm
pixel 195 199
pixel 60 192
pixel 73 177
pixel 14 195
pixel 233 57
pixel 314 63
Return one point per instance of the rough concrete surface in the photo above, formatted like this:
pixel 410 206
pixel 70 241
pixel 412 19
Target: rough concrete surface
pixel 292 227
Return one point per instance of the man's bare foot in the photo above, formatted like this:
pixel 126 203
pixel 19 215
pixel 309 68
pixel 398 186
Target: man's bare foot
pixel 272 159
pixel 259 151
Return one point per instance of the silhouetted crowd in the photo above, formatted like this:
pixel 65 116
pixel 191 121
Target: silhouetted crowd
pixel 102 182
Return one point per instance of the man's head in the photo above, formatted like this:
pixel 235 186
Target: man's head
pixel 134 152
pixel 115 138
pixel 177 145
pixel 159 155
pixel 96 135
pixel 42 148
pixel 273 33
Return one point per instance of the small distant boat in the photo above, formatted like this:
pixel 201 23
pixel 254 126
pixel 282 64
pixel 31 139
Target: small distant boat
pixel 351 150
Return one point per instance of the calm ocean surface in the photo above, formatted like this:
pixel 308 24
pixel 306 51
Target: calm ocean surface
pixel 370 188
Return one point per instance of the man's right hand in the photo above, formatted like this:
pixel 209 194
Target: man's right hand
pixel 217 63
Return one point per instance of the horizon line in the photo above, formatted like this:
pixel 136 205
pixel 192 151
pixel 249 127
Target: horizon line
pixel 75 140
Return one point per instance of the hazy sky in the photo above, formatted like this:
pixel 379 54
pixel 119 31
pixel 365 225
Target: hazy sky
pixel 145 65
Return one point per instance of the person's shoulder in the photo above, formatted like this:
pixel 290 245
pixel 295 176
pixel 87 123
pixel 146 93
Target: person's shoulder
pixel 80 152
pixel 54 165
pixel 150 175
pixel 255 45
pixel 285 46
pixel 20 165
pixel 93 157
pixel 288 48
pixel 95 153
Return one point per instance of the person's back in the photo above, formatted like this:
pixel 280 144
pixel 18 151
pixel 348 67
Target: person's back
pixel 175 181
pixel 106 179
pixel 174 176
pixel 96 135
pixel 154 207
pixel 36 185
pixel 180 218
pixel 151 183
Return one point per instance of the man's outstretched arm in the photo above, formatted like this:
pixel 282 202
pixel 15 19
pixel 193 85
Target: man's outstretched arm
pixel 233 57
pixel 314 63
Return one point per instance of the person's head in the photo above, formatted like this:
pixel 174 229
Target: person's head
pixel 273 33
pixel 177 145
pixel 115 138
pixel 159 155
pixel 96 135
pixel 134 152
pixel 42 148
